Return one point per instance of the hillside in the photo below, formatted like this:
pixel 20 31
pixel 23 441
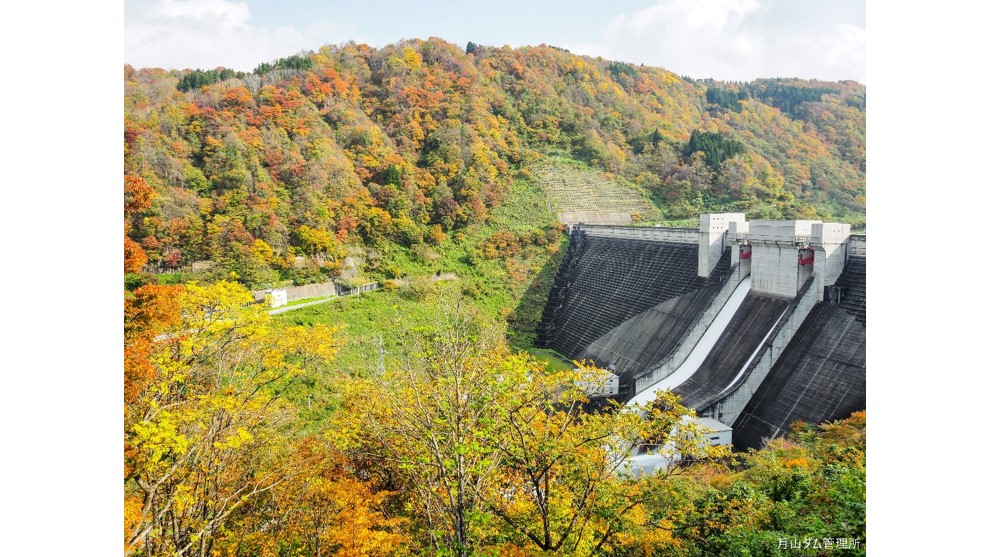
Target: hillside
pixel 418 419
pixel 277 175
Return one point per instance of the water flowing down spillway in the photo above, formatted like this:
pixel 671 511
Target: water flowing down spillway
pixel 741 370
pixel 702 349
pixel 647 463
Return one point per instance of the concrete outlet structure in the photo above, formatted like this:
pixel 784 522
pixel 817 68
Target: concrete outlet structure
pixel 784 255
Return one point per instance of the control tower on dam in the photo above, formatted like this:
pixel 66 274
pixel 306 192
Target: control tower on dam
pixel 642 301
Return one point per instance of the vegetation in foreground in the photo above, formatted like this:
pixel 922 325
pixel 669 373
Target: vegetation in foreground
pixel 457 447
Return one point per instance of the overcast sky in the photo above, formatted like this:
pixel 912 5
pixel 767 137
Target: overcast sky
pixel 722 39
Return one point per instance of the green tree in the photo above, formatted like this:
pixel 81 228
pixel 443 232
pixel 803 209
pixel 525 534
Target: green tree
pixel 426 415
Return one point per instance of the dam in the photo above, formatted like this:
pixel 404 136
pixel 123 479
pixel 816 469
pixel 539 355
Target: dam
pixel 754 324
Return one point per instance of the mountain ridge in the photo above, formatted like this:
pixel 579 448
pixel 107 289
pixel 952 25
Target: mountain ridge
pixel 404 144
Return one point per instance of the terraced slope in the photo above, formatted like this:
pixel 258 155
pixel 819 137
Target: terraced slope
pixel 588 196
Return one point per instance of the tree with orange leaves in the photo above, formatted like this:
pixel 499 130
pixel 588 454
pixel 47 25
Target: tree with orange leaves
pixel 327 510
pixel 137 199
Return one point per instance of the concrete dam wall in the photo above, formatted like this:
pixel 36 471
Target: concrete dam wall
pixel 821 374
pixel 640 301
pixel 625 302
pixel 748 330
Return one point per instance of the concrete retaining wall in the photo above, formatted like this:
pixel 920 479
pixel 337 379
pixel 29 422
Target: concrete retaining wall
pixel 728 409
pixel 594 217
pixel 310 291
pixel 294 293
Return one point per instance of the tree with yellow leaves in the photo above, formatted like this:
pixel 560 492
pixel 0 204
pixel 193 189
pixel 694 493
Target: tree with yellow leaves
pixel 499 452
pixel 423 419
pixel 565 483
pixel 205 429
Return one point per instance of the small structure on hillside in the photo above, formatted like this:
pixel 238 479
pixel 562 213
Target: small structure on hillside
pixel 279 297
pixel 719 434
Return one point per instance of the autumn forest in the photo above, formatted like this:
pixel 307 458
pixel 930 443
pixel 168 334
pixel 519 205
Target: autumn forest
pixel 419 419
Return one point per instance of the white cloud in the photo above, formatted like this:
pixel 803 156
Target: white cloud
pixel 209 33
pixel 741 39
pixel 234 14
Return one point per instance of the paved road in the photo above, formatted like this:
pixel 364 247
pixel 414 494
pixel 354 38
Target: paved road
pixel 305 305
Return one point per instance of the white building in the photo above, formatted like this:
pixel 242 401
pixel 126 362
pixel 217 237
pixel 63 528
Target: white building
pixel 279 297
pixel 599 384
pixel 720 434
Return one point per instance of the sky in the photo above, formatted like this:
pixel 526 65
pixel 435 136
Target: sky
pixel 738 40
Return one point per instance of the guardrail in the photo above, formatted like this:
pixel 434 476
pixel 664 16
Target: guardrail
pixel 654 233
pixel 344 291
